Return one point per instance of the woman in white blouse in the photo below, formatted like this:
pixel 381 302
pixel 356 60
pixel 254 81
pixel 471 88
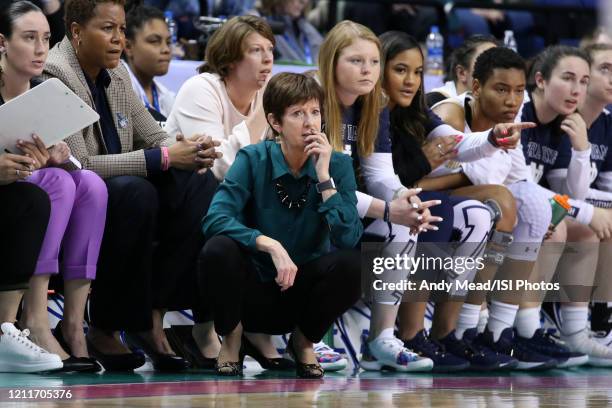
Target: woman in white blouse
pixel 225 100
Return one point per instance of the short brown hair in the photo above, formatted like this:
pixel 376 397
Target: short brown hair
pixel 226 45
pixel 287 89
pixel 595 48
pixel 81 11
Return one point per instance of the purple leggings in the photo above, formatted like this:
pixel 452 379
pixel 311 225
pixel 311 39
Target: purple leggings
pixel 78 213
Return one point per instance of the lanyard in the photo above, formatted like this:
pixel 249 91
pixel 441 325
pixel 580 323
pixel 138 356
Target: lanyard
pixel 307 50
pixel 155 98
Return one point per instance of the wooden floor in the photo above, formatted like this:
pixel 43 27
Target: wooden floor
pixel 577 388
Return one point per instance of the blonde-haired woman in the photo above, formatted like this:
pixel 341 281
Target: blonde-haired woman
pixel 349 70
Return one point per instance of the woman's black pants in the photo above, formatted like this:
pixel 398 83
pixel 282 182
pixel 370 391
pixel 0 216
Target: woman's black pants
pixel 324 288
pixel 25 210
pixel 150 248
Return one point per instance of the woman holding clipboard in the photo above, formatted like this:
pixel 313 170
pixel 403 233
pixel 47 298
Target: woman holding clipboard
pixel 78 199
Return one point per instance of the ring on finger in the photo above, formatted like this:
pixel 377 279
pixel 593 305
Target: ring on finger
pixel 17 172
pixel 439 146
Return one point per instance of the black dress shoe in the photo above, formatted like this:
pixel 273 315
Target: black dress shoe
pixel 161 361
pixel 80 364
pixel 277 364
pixel 182 342
pixel 302 370
pixel 116 362
pixel 194 355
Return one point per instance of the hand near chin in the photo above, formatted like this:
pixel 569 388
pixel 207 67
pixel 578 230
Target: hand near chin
pixel 318 147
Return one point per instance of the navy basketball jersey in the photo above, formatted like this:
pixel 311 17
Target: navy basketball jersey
pixel 600 136
pixel 540 144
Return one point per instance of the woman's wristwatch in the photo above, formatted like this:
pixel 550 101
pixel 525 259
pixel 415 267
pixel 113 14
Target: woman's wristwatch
pixel 326 185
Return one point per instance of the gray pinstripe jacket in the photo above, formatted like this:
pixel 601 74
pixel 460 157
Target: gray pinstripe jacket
pixel 136 128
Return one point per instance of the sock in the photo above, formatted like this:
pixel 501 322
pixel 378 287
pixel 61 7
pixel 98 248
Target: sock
pixel 501 316
pixel 573 319
pixel 483 319
pixel 468 319
pixel 527 322
pixel 385 334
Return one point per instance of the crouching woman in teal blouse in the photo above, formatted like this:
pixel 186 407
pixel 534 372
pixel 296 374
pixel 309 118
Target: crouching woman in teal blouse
pixel 267 266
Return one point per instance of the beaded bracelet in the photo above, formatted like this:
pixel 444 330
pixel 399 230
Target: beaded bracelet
pixel 165 159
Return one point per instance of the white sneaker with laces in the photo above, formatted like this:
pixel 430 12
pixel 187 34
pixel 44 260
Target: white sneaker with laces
pixel 389 353
pixel 584 342
pixel 19 355
pixel 603 338
pixel 329 359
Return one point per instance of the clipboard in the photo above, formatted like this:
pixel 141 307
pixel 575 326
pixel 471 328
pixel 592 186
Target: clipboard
pixel 51 110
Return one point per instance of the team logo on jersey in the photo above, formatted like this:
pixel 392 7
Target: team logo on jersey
pixel 349 133
pixel 537 171
pixel 593 172
pixel 598 152
pixel 544 154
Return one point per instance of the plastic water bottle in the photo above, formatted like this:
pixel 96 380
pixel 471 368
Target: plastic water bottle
pixel 435 52
pixel 175 48
pixel 560 208
pixel 509 41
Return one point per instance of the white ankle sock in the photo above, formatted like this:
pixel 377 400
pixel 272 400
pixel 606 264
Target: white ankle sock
pixel 483 318
pixel 501 316
pixel 468 319
pixel 573 319
pixel 527 322
pixel 385 334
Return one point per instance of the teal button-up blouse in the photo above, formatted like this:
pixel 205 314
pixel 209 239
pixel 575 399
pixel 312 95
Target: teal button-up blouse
pixel 247 205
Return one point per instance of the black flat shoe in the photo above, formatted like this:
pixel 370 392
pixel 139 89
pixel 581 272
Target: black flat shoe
pixel 302 370
pixel 182 342
pixel 116 362
pixel 161 361
pixel 277 364
pixel 80 364
pixel 196 357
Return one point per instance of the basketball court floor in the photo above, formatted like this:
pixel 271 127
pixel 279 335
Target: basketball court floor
pixel 576 388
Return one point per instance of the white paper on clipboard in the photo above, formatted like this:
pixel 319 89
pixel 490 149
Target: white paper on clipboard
pixel 51 110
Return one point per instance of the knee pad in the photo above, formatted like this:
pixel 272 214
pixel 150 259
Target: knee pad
pixel 533 211
pixel 494 209
pixel 496 250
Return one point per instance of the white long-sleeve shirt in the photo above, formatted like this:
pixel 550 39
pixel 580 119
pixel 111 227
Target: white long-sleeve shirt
pixel 202 106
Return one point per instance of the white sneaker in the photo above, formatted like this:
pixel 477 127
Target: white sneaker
pixel 389 353
pixel 584 342
pixel 328 358
pixel 19 355
pixel 603 338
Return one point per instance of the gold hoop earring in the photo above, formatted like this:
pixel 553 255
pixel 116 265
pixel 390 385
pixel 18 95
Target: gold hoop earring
pixel 79 42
